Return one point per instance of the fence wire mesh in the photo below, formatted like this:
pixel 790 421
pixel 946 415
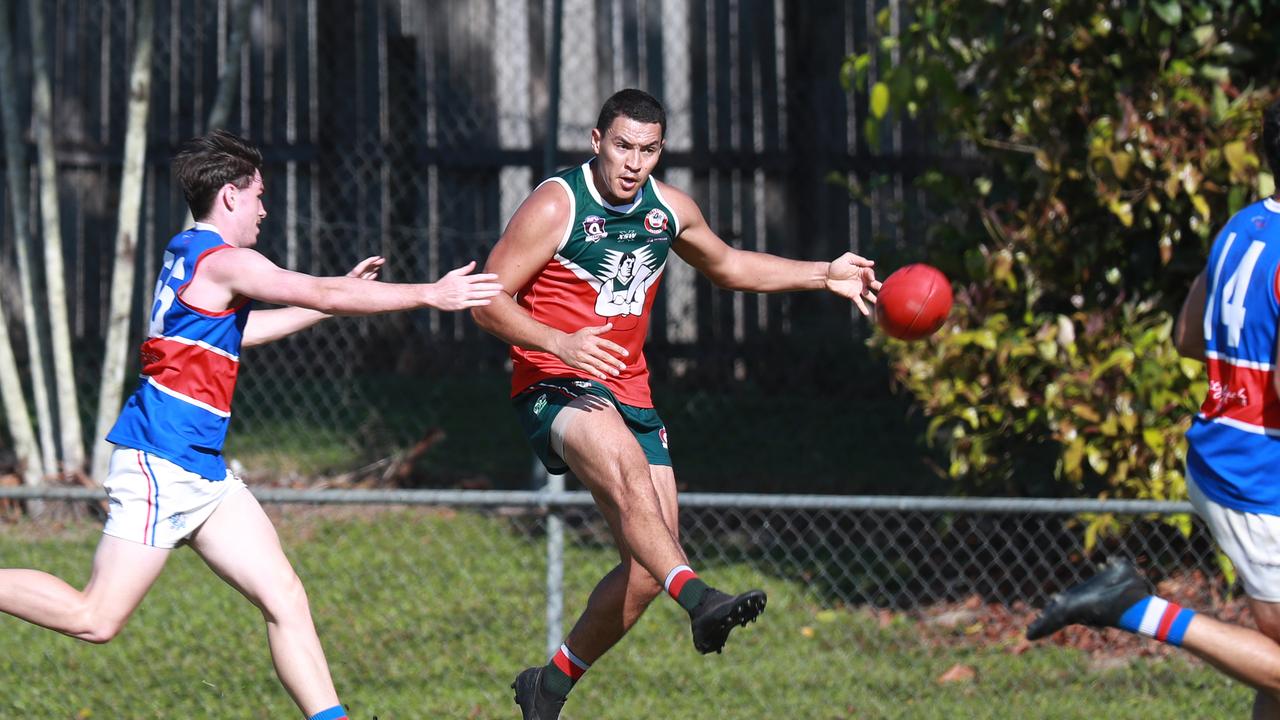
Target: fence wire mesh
pixel 414 130
pixel 906 609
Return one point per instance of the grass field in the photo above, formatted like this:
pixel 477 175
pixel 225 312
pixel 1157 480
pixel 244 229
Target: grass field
pixel 430 614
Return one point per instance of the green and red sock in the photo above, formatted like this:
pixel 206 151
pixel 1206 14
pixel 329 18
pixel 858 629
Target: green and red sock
pixel 685 586
pixel 563 672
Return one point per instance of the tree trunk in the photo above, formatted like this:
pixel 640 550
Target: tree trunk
pixel 37 460
pixel 15 411
pixel 229 77
pixel 72 439
pixel 132 175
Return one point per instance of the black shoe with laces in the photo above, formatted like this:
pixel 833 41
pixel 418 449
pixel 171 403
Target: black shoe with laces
pixel 1098 601
pixel 534 700
pixel 718 613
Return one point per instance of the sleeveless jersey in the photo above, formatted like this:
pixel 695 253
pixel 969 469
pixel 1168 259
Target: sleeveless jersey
pixel 605 269
pixel 190 359
pixel 1233 445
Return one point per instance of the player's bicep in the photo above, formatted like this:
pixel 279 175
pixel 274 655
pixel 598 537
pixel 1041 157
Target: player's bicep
pixel 531 237
pixel 248 273
pixel 698 245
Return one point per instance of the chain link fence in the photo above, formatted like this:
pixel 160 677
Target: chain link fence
pixel 429 603
pixel 414 130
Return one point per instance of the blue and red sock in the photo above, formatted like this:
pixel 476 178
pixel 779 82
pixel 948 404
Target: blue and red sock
pixel 1157 618
pixel 337 712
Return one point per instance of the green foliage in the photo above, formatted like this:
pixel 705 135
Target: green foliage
pixel 1111 139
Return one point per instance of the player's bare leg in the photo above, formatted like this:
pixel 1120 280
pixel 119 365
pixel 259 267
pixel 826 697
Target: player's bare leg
pixel 123 572
pixel 240 544
pixel 621 597
pixel 1250 656
pixel 605 457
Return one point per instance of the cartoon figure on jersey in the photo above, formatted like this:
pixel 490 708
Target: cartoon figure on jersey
pixel 622 290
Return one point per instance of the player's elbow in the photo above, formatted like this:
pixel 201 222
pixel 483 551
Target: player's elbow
pixel 723 278
pixel 334 296
pixel 1189 350
pixel 1186 345
pixel 483 317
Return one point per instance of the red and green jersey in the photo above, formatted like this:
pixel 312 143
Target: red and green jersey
pixel 606 269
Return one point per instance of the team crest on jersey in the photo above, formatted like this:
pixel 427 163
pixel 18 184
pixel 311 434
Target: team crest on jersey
pixel 656 221
pixel 593 226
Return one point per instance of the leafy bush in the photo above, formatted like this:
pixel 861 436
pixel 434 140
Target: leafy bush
pixel 1111 140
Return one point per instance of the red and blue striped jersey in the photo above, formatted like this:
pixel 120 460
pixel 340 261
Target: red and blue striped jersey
pixel 190 360
pixel 1233 445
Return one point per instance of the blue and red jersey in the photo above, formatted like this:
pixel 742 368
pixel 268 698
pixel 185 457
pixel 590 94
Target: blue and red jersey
pixel 1233 445
pixel 190 361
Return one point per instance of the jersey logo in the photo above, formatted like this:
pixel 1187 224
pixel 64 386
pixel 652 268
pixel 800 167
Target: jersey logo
pixel 656 221
pixel 624 280
pixel 593 226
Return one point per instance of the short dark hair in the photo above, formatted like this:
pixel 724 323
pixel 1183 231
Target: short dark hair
pixel 1271 136
pixel 635 104
pixel 204 164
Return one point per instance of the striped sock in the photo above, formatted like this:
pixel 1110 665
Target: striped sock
pixel 564 670
pixel 1157 618
pixel 685 586
pixel 334 713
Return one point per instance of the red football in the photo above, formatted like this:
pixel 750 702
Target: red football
pixel 913 302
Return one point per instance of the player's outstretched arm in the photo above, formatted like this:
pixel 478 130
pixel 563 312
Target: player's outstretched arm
pixel 849 275
pixel 245 272
pixel 525 248
pixel 266 326
pixel 1188 332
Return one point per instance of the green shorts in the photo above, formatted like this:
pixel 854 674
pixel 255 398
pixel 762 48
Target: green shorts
pixel 538 405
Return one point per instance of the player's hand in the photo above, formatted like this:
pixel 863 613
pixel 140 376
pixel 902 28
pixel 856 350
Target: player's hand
pixel 586 350
pixel 459 290
pixel 368 268
pixel 853 276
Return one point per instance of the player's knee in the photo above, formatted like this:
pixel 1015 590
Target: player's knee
pixel 1268 624
pixel 635 495
pixel 287 600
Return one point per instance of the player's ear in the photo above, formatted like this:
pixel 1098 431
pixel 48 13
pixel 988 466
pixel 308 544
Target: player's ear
pixel 227 196
pixel 596 137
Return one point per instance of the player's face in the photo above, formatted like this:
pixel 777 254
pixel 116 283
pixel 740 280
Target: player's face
pixel 625 155
pixel 249 212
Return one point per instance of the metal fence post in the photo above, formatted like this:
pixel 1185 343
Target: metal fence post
pixel 555 568
pixel 554 483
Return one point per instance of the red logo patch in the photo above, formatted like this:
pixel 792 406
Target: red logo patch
pixel 656 221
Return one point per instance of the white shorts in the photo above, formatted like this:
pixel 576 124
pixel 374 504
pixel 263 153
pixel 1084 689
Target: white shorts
pixel 157 503
pixel 1251 540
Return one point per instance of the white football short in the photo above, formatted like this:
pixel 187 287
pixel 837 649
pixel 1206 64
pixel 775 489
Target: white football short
pixel 1251 540
pixel 157 503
